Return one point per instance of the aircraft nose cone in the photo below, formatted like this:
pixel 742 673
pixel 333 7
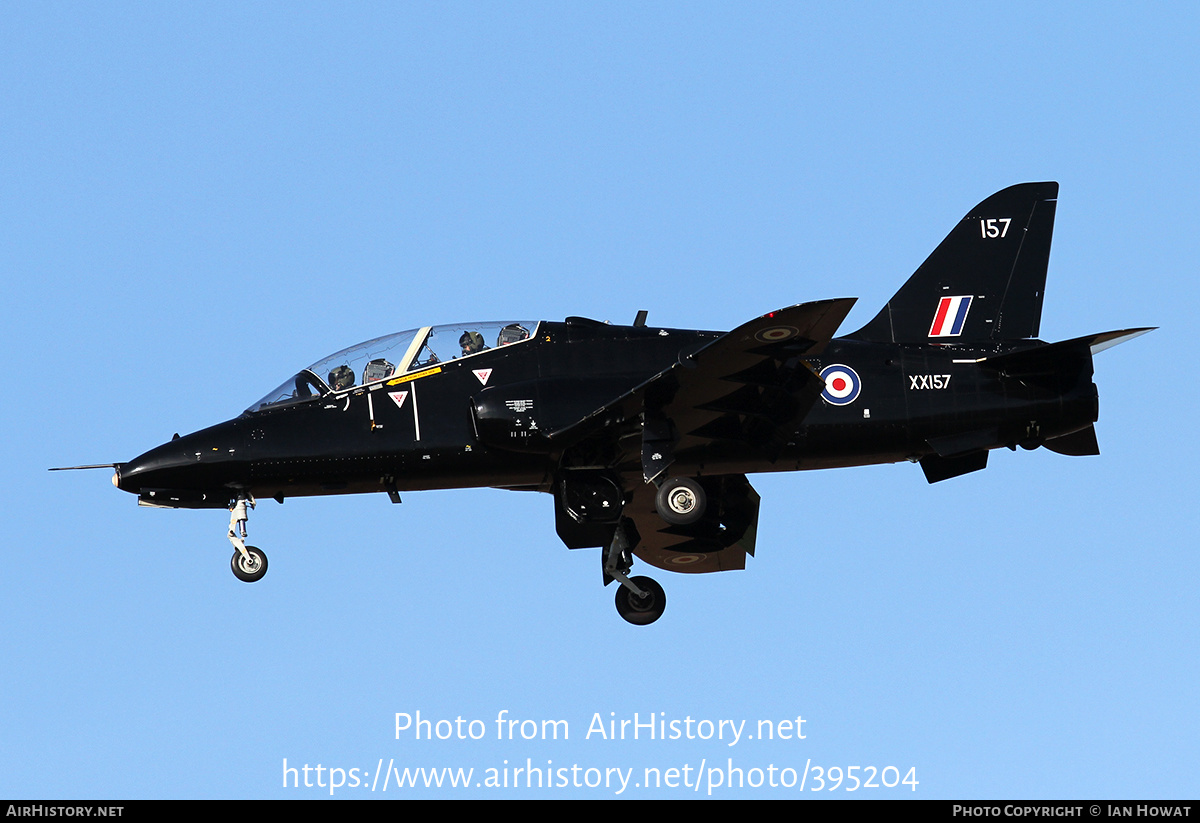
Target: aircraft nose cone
pixel 163 466
pixel 205 461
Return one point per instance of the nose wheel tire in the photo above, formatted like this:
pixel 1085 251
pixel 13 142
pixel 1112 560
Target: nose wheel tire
pixel 248 571
pixel 642 611
pixel 680 501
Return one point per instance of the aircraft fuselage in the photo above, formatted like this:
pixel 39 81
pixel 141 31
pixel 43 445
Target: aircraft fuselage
pixel 481 421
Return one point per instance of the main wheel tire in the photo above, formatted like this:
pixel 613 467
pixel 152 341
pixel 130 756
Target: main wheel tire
pixel 642 611
pixel 252 570
pixel 681 501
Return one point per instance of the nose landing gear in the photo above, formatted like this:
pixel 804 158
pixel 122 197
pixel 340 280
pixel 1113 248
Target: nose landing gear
pixel 251 566
pixel 249 563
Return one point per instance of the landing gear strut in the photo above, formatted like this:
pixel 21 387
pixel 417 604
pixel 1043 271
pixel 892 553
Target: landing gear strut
pixel 640 600
pixel 249 563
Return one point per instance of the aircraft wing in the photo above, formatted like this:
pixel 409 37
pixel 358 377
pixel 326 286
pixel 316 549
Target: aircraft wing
pixel 748 388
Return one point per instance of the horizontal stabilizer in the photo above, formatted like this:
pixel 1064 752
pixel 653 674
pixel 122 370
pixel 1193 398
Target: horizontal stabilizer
pixel 1066 360
pixel 1108 339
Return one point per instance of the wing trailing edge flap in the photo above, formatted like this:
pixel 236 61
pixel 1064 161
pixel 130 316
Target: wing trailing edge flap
pixel 719 542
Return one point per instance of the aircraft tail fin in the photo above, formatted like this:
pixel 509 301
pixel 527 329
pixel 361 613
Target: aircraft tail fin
pixel 984 282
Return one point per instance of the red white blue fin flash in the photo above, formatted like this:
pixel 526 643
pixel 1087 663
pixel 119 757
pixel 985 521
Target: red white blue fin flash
pixel 950 317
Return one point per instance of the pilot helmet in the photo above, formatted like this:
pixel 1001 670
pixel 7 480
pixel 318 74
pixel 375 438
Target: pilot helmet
pixel 341 378
pixel 512 333
pixel 471 342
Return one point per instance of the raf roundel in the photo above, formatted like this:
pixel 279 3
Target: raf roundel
pixel 842 384
pixel 776 334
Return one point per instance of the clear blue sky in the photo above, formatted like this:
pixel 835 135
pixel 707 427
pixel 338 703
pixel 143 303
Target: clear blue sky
pixel 196 201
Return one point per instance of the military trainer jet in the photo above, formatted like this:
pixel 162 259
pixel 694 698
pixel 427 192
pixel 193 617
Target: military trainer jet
pixel 644 436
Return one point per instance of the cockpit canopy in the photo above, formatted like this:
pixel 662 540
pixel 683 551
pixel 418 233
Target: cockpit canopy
pixel 393 354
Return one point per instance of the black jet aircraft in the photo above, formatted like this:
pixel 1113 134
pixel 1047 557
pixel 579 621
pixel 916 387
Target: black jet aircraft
pixel 644 436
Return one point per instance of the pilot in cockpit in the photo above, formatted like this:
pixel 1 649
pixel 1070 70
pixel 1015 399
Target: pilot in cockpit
pixel 341 378
pixel 471 342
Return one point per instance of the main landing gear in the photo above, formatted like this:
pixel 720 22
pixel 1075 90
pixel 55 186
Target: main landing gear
pixel 249 563
pixel 640 600
pixel 680 501
pixel 644 609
